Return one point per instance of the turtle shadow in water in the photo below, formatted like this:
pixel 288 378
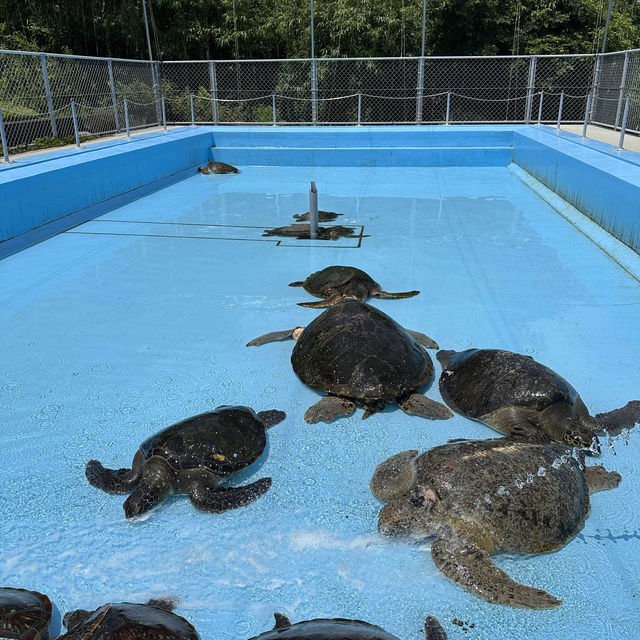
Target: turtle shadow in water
pixel 55 627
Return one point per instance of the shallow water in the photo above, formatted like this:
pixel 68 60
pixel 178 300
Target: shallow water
pixel 138 319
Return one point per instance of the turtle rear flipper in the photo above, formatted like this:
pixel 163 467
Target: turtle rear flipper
pixel 433 629
pixel 417 404
pixel 114 480
pixel 400 294
pixel 599 479
pixel 394 476
pixel 281 620
pixel 298 283
pixel 623 418
pixel 424 340
pixel 319 304
pixel 474 570
pixel 328 409
pixel 219 499
pixel 274 336
pixel 271 417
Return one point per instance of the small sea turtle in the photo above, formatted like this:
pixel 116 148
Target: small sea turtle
pixel 193 456
pixel 337 282
pixel 217 167
pixel 359 355
pixel 128 621
pixel 24 614
pixel 339 629
pixel 303 232
pixel 323 216
pixel 504 389
pixel 517 494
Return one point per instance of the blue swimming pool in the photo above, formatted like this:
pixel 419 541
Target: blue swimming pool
pixel 137 318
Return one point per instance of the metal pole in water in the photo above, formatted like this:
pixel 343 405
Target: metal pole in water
pixel 359 109
pixel 75 123
pixel 126 118
pixel 273 104
pixel 540 107
pixel 560 109
pixel 313 211
pixel 164 114
pixel 586 116
pixel 446 119
pixel 625 115
pixel 3 135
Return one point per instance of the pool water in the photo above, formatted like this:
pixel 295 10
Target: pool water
pixel 131 322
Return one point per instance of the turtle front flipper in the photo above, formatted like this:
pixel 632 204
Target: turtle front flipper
pixel 72 619
pixel 624 418
pixel 599 479
pixel 298 283
pixel 433 629
pixel 319 304
pixel 394 476
pixel 474 570
pixel 114 480
pixel 525 432
pixel 417 404
pixel 400 294
pixel 274 336
pixel 424 340
pixel 328 409
pixel 214 499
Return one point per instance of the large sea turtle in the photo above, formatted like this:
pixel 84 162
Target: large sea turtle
pixel 516 494
pixel 337 282
pixel 193 456
pixel 303 232
pixel 323 216
pixel 339 629
pixel 505 389
pixel 359 355
pixel 217 167
pixel 128 621
pixel 24 614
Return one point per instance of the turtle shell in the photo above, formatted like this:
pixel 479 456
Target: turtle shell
pixel 356 351
pixel 531 497
pixel 221 441
pixel 22 611
pixel 327 629
pixel 128 621
pixel 477 382
pixel 338 278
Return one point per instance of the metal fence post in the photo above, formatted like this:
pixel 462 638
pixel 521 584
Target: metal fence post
pixel 273 104
pixel 126 118
pixel 113 94
pixel 623 84
pixel 3 136
pixel 587 111
pixel 157 89
pixel 540 106
pixel 359 109
pixel 623 129
pixel 420 90
pixel 596 84
pixel 314 92
pixel 193 113
pixel 213 86
pixel 47 90
pixel 560 110
pixel 530 87
pixel 446 118
pixel 74 115
pixel 164 113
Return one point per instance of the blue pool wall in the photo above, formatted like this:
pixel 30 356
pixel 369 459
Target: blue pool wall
pixel 44 195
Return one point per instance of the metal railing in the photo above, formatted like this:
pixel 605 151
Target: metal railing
pixel 37 91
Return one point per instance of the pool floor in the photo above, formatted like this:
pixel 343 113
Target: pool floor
pixel 138 319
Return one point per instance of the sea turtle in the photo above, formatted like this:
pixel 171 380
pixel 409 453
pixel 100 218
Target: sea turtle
pixel 24 614
pixel 337 282
pixel 303 232
pixel 339 629
pixel 504 389
pixel 128 621
pixel 217 167
pixel 323 216
pixel 359 355
pixel 193 456
pixel 516 494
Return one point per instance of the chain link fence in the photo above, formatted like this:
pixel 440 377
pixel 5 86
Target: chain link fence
pixel 36 91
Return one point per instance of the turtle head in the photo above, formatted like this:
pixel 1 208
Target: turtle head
pixel 576 434
pixel 410 515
